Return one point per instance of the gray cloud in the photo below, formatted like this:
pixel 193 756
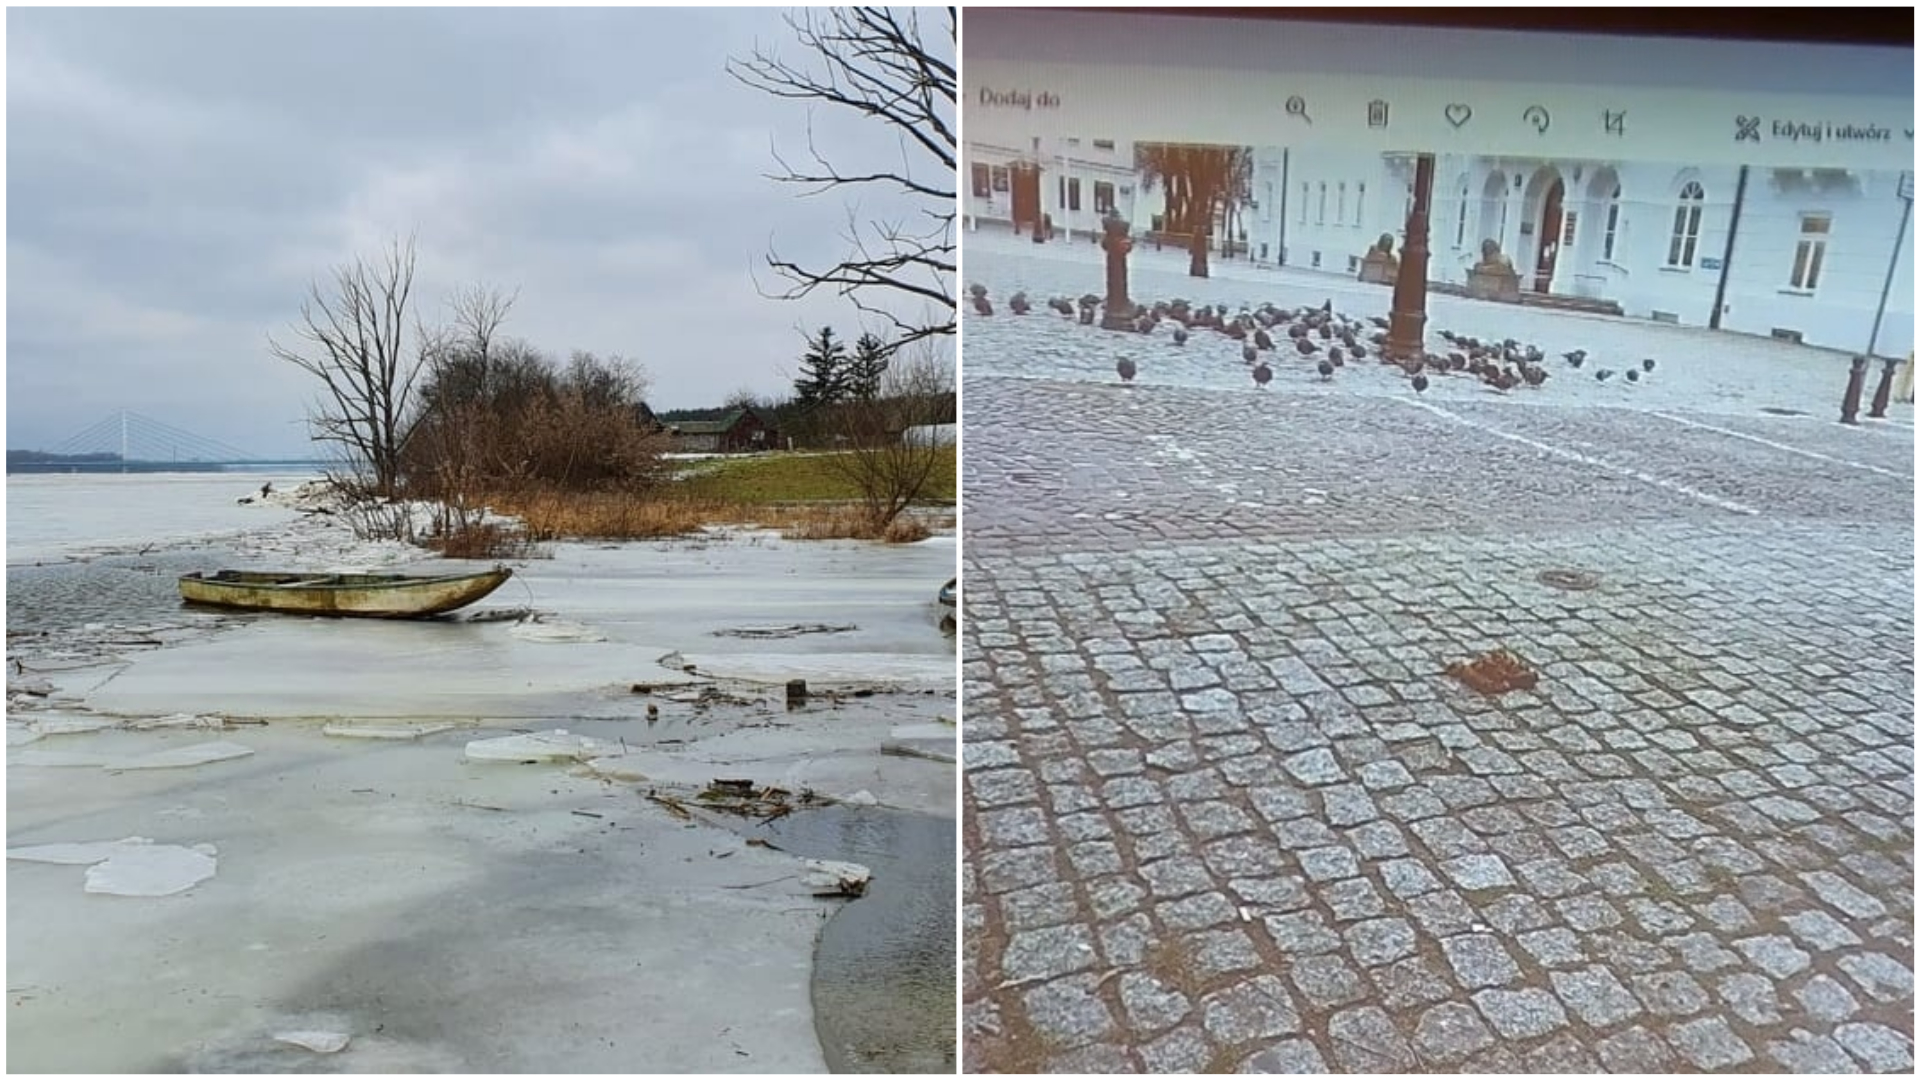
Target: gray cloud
pixel 176 177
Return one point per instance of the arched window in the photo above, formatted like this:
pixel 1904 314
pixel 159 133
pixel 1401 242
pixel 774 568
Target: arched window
pixel 1686 225
pixel 1613 224
pixel 1320 218
pixel 1360 206
pixel 1340 215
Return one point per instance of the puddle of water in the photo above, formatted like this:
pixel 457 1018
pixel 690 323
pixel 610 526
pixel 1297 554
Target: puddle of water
pixel 883 986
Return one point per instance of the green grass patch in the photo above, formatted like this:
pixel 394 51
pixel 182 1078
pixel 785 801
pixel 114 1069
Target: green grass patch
pixel 796 477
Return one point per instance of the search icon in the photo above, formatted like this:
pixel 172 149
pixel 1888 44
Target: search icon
pixel 1297 106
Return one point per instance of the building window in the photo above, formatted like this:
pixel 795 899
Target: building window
pixel 1613 224
pixel 1406 212
pixel 982 184
pixel 1568 227
pixel 1266 204
pixel 1305 192
pixel 1073 142
pixel 1359 205
pixel 1686 225
pixel 1103 144
pixel 1460 220
pixel 1811 251
pixel 1341 216
pixel 1073 193
pixel 1102 198
pixel 1320 217
pixel 1002 178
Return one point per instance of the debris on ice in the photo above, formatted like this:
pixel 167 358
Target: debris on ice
pixel 935 742
pixel 178 720
pixel 537 629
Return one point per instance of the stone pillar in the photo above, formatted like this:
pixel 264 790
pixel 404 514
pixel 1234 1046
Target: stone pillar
pixel 1885 390
pixel 1856 381
pixel 1119 314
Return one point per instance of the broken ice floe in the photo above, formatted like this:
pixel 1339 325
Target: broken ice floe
pixel 935 742
pixel 180 757
pixel 384 731
pixel 320 1042
pixel 540 746
pixel 827 877
pixel 135 866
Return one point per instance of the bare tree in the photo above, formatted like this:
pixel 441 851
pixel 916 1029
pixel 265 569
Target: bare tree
pixel 353 339
pixel 876 62
pixel 897 440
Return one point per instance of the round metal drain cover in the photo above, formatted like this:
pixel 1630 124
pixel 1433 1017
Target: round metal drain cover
pixel 1579 580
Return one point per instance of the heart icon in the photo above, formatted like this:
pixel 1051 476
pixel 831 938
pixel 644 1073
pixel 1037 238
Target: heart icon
pixel 1459 114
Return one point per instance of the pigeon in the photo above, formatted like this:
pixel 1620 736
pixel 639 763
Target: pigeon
pixel 1262 374
pixel 1326 370
pixel 1306 347
pixel 1647 365
pixel 1249 353
pixel 1603 374
pixel 1263 339
pixel 1126 369
pixel 1062 305
pixel 1179 335
pixel 976 290
pixel 1018 302
pixel 1576 357
pixel 1420 384
pixel 1533 375
pixel 1334 354
pixel 981 305
pixel 1633 375
pixel 1359 352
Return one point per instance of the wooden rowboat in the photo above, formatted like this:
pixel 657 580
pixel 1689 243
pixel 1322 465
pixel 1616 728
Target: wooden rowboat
pixel 371 596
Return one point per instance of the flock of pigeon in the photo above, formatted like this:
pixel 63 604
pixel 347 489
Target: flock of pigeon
pixel 1321 336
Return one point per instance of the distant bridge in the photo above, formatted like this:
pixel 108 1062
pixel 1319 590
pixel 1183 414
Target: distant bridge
pixel 129 442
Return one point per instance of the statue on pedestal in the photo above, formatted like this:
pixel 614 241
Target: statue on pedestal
pixel 1380 266
pixel 1493 277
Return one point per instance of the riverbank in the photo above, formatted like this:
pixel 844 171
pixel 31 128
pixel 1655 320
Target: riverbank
pixel 449 914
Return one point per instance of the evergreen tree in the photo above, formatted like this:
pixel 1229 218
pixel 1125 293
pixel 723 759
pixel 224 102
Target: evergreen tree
pixel 823 371
pixel 867 368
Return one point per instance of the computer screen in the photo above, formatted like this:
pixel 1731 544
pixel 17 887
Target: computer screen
pixel 1758 188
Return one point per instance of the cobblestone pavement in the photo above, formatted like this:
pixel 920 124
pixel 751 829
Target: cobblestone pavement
pixel 1224 811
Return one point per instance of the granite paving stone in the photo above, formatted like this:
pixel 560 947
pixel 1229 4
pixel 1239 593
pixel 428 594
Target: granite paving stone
pixel 1224 808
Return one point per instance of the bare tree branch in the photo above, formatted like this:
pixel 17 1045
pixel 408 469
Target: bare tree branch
pixel 876 63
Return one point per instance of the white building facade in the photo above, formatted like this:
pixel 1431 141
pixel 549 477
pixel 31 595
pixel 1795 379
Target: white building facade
pixel 1810 254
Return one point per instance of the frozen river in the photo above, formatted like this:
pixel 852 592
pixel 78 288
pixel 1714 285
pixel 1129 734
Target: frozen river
pixel 448 914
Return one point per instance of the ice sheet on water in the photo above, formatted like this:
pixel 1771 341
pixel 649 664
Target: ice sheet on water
pixel 555 630
pixel 935 742
pixel 384 731
pixel 135 866
pixel 540 746
pixel 183 757
pixel 60 759
pixel 320 1042
pixel 152 870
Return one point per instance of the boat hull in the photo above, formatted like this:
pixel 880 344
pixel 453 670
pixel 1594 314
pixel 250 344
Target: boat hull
pixel 366 596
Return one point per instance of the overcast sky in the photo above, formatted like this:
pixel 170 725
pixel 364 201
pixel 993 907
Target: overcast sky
pixel 176 178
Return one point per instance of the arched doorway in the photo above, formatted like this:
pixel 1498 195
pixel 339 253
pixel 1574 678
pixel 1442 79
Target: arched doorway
pixel 1546 219
pixel 1493 212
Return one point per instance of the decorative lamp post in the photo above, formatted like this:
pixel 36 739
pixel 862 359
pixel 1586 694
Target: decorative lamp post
pixel 1119 313
pixel 1407 325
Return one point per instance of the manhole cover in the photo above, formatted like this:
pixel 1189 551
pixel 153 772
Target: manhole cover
pixel 1570 579
pixel 1772 410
